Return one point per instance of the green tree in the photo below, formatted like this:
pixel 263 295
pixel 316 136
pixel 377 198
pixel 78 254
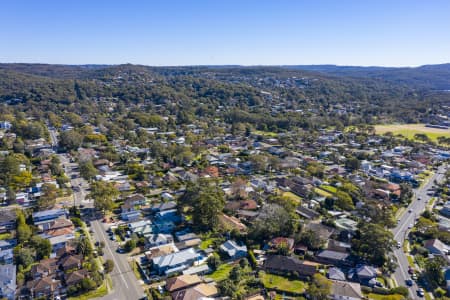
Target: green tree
pixel 87 169
pixel 103 193
pixel 373 243
pixel 42 246
pixel 206 200
pixel 70 140
pixel 49 193
pixel 84 246
pixel 214 261
pixel 433 269
pixel 23 256
pixel 109 266
pixel 320 287
pixel 344 201
pixel 23 230
pixel 352 163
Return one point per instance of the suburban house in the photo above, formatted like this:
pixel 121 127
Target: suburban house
pixel 200 291
pixel 280 264
pixel 233 250
pixel 332 257
pixel 8 281
pixel 175 262
pixel 7 219
pixel 181 282
pixel 436 247
pixel 344 290
pixel 48 215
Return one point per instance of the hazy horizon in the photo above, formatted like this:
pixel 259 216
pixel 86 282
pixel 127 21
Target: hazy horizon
pixel 403 33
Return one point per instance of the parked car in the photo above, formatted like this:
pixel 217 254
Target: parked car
pixel 420 292
pixel 409 282
pixel 399 245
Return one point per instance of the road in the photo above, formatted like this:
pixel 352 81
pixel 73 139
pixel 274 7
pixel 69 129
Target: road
pixel 408 218
pixel 125 283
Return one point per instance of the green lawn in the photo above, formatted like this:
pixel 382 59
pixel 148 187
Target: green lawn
pixel 329 188
pixel 266 133
pixel 292 197
pixel 385 297
pixel 100 292
pixel 5 236
pixel 322 193
pixel 221 273
pixel 208 242
pixel 410 260
pixel 409 130
pixel 280 283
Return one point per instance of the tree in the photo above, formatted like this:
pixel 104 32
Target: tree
pixel 87 284
pixel 344 201
pixel 87 169
pixel 206 200
pixel 320 288
pixel 433 269
pixel 236 273
pixel 373 243
pixel 214 261
pixel 109 266
pixel 49 193
pixel 23 230
pixel 70 140
pixel 274 220
pixel 129 245
pixel 311 239
pixel 84 246
pixel 23 256
pixel 42 246
pixel 103 193
pixel 352 163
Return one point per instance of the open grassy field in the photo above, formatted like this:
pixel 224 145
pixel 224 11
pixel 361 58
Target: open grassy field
pixel 280 283
pixel 409 130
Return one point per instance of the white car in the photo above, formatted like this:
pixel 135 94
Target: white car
pixel 410 226
pixel 421 292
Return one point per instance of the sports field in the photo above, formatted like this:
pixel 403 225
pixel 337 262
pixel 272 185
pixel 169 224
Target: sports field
pixel 409 130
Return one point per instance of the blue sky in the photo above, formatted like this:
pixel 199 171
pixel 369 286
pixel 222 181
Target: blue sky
pixel 247 32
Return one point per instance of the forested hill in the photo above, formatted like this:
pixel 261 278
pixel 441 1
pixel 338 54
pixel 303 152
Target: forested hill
pixel 275 95
pixel 435 77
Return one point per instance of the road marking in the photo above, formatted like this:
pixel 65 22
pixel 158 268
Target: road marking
pixel 112 254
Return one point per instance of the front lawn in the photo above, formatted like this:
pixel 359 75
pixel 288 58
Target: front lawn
pixel 322 193
pixel 373 296
pixel 221 273
pixel 5 236
pixel 293 197
pixel 329 188
pixel 280 283
pixel 100 292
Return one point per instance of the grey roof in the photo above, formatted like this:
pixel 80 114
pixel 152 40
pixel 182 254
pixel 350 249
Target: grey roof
pixel 346 289
pixel 8 280
pixel 366 271
pixel 329 254
pixel 232 248
pixel 175 259
pixel 336 274
pixel 49 212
